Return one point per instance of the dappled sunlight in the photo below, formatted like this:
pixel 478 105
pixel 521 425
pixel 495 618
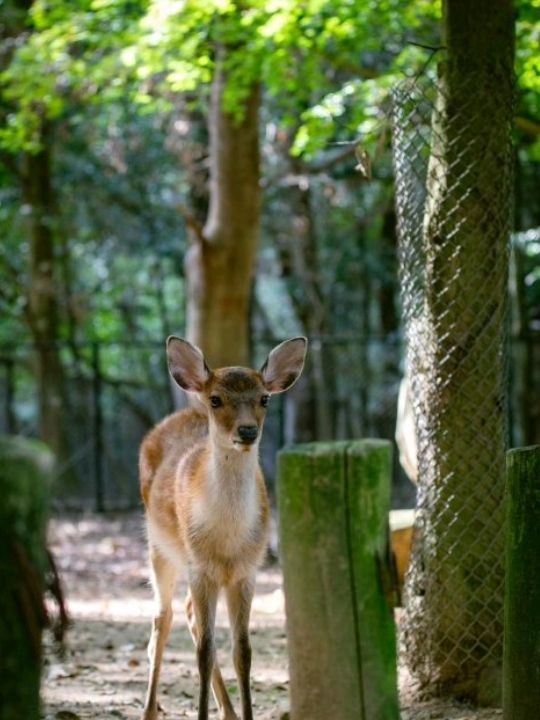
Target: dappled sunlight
pixel 104 671
pixel 103 561
pixel 267 607
pixel 133 609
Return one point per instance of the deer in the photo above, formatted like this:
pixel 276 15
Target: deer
pixel 207 509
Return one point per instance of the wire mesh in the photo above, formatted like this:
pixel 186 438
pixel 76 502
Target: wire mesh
pixel 453 196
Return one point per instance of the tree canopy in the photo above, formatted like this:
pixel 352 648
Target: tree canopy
pixel 116 95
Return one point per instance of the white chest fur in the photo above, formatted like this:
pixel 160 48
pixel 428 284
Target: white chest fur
pixel 228 510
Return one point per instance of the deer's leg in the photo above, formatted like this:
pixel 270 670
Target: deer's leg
pixel 163 577
pixel 239 598
pixel 204 594
pixel 223 701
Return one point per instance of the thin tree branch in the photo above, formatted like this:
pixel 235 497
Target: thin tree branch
pixel 425 46
pixel 191 223
pixel 530 127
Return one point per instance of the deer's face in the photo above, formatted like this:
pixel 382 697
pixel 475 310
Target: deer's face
pixel 235 397
pixel 236 400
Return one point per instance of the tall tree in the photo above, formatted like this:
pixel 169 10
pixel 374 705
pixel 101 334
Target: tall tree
pixel 150 49
pixel 220 264
pixel 42 300
pixel 30 165
pixel 453 625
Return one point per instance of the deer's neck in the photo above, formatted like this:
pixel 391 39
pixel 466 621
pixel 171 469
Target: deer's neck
pixel 230 470
pixel 231 484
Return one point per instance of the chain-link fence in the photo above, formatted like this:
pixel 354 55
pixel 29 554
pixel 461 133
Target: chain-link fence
pixel 453 195
pixel 115 392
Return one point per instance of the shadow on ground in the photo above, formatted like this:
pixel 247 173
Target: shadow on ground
pixel 103 674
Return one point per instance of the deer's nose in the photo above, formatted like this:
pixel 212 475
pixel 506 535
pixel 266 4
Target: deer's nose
pixel 248 433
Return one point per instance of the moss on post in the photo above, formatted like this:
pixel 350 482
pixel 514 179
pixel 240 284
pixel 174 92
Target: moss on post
pixel 521 669
pixel 24 470
pixel 369 470
pixel 334 502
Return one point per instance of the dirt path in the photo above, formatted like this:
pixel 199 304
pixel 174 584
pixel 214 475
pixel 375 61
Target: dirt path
pixel 103 565
pixel 103 675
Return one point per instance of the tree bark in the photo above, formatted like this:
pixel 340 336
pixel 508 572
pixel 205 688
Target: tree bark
pixel 312 311
pixel 220 262
pixel 42 297
pixel 33 173
pixel 25 468
pixel 453 628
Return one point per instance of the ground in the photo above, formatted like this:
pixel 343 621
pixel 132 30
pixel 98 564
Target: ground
pixel 103 672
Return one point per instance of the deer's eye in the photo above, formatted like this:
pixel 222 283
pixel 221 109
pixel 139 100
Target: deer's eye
pixel 264 400
pixel 215 401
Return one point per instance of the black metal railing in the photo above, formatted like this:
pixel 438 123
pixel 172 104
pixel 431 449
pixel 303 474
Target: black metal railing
pixel 114 392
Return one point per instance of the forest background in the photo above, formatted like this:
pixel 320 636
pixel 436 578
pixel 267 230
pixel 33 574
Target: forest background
pixel 138 137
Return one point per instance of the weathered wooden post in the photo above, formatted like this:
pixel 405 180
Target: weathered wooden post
pixel 521 667
pixel 334 501
pixel 24 470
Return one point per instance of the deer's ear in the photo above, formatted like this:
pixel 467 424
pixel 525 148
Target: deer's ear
pixel 187 364
pixel 284 365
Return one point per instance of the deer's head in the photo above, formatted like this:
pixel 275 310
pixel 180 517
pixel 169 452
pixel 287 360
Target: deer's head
pixel 236 398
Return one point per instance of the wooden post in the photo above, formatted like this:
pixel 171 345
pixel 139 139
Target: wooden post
pixel 25 468
pixel 521 668
pixel 334 504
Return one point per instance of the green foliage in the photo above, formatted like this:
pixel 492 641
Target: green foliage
pixel 528 68
pixel 313 57
pixel 120 239
pixel 107 75
pixel 65 51
pixel 356 111
pixel 99 50
pixel 528 244
pixel 115 78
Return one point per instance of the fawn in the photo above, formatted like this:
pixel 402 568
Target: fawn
pixel 207 508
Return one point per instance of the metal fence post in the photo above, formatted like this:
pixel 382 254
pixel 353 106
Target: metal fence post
pixel 99 487
pixel 11 420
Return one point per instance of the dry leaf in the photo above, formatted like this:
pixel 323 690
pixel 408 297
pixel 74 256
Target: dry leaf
pixel 363 161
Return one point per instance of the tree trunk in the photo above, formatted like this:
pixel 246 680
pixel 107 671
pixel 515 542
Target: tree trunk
pixel 25 468
pixel 311 309
pixel 42 298
pixel 453 628
pixel 314 411
pixel 33 172
pixel 220 262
